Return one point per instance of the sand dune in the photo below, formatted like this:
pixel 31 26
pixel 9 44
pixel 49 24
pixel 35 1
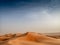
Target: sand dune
pixel 32 38
pixel 29 38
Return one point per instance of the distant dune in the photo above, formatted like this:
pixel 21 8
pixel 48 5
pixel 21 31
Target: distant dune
pixel 29 38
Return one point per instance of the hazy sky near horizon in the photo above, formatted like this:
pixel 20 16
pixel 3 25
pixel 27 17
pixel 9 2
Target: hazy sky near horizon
pixel 29 15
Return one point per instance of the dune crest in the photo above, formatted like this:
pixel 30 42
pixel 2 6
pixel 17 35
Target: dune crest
pixel 32 38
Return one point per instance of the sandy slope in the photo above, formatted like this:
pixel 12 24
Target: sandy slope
pixel 32 38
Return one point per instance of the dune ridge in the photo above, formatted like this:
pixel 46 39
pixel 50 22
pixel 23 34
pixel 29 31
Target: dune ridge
pixel 29 38
pixel 35 38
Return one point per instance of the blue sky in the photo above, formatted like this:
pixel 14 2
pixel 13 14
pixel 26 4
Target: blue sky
pixel 30 15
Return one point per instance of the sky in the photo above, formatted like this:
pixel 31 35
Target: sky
pixel 41 16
